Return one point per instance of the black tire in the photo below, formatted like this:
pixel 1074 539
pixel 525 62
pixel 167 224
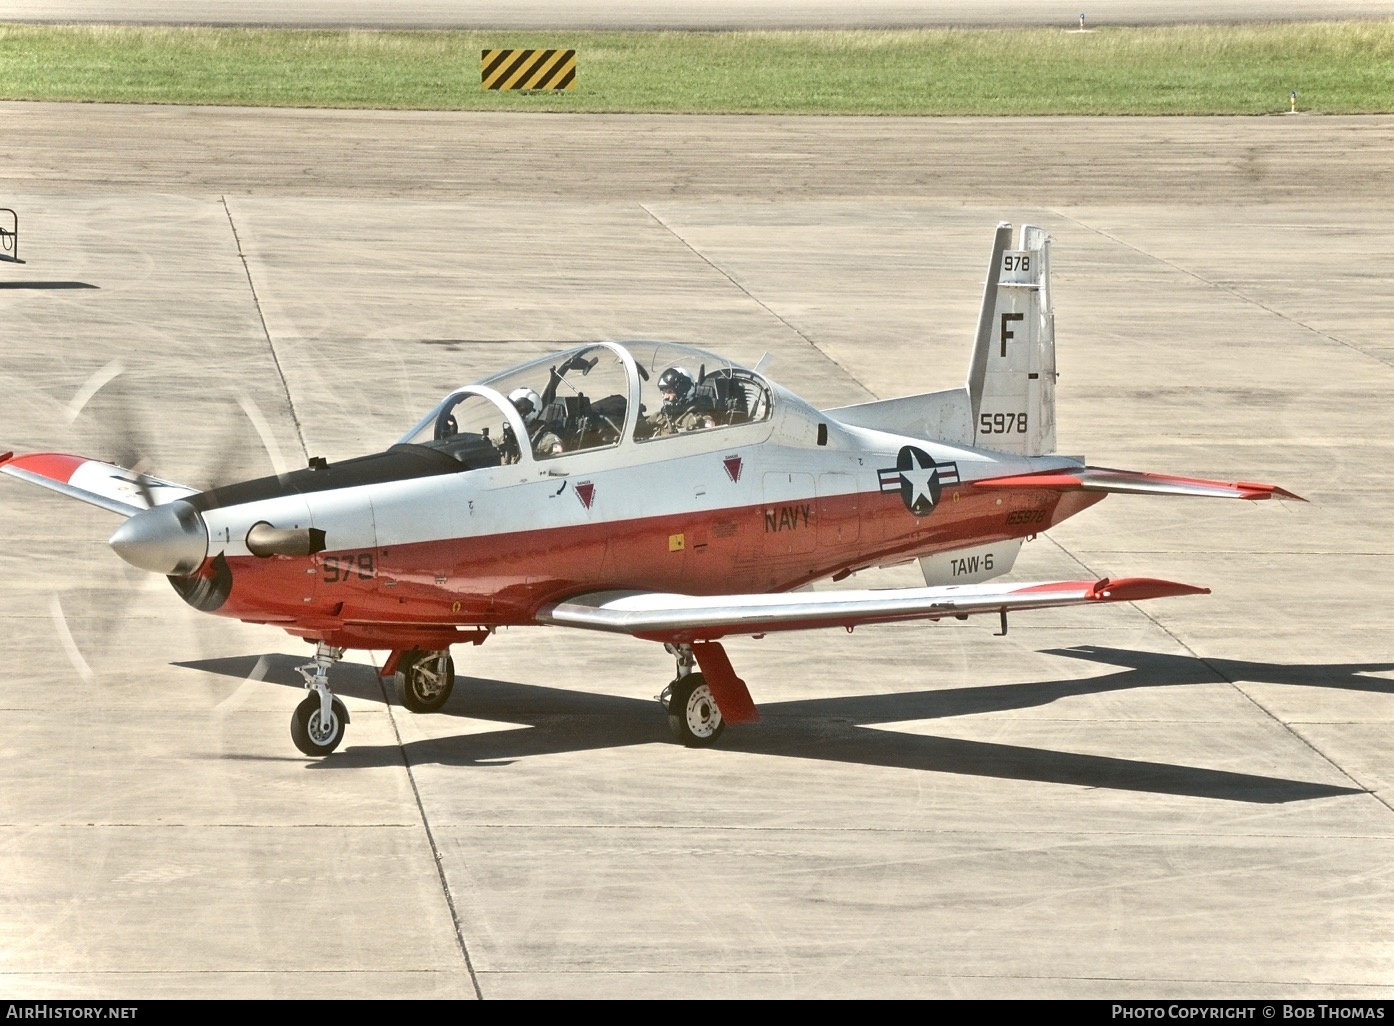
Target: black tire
pixel 309 734
pixel 693 715
pixel 421 692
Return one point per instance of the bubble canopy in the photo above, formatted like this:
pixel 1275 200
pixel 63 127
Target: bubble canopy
pixel 593 396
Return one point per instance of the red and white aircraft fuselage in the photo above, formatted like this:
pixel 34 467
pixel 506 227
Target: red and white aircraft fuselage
pixel 599 503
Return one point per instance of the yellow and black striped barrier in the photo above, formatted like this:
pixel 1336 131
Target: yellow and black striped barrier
pixel 527 69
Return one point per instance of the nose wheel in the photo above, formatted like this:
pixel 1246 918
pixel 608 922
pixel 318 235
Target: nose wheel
pixel 317 725
pixel 313 732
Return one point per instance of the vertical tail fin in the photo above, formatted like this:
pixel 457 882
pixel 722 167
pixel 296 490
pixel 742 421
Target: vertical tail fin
pixel 1011 380
pixel 1008 403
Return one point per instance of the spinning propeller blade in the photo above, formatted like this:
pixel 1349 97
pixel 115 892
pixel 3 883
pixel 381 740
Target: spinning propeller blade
pixel 166 538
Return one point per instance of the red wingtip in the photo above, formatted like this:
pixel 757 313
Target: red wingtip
pixel 55 466
pixel 6 457
pixel 1266 491
pixel 1135 589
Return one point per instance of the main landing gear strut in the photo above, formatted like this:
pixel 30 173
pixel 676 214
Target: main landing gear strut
pixel 317 726
pixel 424 680
pixel 693 715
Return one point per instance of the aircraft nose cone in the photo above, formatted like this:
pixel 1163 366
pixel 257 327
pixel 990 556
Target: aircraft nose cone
pixel 170 540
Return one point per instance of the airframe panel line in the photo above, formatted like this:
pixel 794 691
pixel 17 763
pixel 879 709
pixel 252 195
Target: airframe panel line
pixel 257 422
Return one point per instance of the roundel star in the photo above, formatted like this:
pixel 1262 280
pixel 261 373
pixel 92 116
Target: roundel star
pixel 919 480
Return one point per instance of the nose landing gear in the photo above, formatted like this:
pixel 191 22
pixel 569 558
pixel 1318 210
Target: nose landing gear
pixel 317 725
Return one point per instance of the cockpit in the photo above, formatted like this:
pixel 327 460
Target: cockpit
pixel 684 390
pixel 596 396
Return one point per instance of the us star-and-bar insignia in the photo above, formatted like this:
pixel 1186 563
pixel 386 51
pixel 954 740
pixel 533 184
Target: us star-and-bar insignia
pixel 918 479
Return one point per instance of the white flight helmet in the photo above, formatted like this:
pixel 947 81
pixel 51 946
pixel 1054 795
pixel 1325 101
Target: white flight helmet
pixel 526 402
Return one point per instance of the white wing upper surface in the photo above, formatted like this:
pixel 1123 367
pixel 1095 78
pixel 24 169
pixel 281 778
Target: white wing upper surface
pixel 685 618
pixel 101 484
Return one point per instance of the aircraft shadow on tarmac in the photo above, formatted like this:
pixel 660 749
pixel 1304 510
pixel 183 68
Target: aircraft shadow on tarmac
pixel 46 284
pixel 556 720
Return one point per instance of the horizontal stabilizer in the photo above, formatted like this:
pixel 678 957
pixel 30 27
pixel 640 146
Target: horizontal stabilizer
pixel 101 484
pixel 1129 482
pixel 666 617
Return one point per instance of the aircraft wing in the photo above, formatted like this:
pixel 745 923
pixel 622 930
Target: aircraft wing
pixel 101 484
pixel 665 617
pixel 1102 479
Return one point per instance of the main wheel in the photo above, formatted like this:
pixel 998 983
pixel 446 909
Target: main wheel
pixel 693 716
pixel 420 684
pixel 308 729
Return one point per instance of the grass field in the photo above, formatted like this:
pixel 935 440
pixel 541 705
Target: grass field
pixel 1337 68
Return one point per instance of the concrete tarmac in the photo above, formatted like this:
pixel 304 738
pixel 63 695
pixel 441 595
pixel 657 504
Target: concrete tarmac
pixel 1181 799
pixel 692 15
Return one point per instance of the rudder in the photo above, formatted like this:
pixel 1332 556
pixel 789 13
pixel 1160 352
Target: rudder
pixel 1011 380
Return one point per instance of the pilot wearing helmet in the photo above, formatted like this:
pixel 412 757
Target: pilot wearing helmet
pixel 527 403
pixel 543 439
pixel 684 408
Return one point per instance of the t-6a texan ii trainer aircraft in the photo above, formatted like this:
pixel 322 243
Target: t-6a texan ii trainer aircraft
pixel 647 489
